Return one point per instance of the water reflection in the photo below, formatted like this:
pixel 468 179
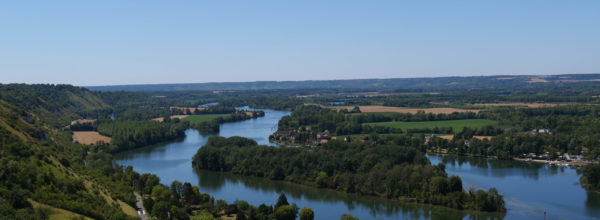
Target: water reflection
pixel 495 168
pixel 322 199
pixel 530 189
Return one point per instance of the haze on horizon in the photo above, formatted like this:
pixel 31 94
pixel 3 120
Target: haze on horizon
pixel 149 42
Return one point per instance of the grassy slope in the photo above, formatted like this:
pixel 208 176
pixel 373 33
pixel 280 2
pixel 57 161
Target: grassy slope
pixel 56 213
pixel 457 125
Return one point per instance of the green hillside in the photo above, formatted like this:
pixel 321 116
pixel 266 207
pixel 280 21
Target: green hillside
pixel 40 163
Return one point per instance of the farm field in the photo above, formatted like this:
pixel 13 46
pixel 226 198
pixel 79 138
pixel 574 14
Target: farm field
pixel 450 137
pixel 530 105
pixel 89 137
pixel 202 118
pixel 375 108
pixel 457 125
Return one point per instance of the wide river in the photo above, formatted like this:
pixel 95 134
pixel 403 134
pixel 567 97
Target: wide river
pixel 530 189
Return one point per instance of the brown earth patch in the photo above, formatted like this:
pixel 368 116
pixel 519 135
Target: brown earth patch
pixel 172 117
pixel 504 78
pixel 489 138
pixel 450 137
pixel 89 137
pixel 537 80
pixel 83 121
pixel 447 137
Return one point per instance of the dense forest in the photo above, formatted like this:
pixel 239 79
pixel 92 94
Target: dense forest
pixel 128 135
pixel 393 169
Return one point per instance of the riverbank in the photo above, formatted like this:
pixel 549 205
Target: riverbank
pixel 551 162
pixel 554 162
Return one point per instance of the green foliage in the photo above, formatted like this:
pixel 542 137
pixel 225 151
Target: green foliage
pixel 591 176
pixel 161 209
pixel 456 125
pixel 307 213
pixel 203 215
pixel 348 217
pixel 281 201
pixel 209 123
pixel 195 119
pixel 285 212
pixel 388 170
pixel 132 134
pixel 57 105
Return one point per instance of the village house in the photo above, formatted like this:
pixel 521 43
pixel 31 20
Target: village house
pixel 541 131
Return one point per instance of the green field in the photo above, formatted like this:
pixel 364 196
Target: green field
pixel 457 125
pixel 194 119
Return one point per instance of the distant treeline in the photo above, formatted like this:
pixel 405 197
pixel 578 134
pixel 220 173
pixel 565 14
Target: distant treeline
pixel 213 126
pixel 470 82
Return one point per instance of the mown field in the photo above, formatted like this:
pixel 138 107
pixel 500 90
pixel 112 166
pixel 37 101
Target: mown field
pixel 202 118
pixel 90 137
pixel 457 125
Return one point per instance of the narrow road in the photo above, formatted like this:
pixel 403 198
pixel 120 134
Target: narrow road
pixel 140 206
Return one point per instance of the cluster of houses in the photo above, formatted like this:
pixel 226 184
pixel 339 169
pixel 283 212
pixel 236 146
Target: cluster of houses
pixel 308 137
pixel 560 157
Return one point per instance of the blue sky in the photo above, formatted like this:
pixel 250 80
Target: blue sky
pixel 140 42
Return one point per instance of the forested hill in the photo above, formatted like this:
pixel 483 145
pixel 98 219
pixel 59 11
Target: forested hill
pixel 57 105
pixel 400 84
pixel 42 172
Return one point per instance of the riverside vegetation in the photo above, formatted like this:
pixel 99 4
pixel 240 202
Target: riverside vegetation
pixel 42 169
pixel 391 169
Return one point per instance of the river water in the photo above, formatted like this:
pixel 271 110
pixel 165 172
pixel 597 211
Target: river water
pixel 529 189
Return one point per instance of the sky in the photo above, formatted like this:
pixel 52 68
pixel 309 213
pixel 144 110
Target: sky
pixel 151 42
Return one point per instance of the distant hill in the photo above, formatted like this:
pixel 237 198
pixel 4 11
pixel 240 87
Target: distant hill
pixel 436 83
pixel 58 105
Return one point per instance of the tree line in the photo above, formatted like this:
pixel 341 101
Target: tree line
pixel 393 169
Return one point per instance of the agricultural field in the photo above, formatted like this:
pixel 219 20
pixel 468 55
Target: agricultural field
pixel 457 125
pixel 521 104
pixel 375 108
pixel 202 118
pixel 89 137
pixel 450 137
